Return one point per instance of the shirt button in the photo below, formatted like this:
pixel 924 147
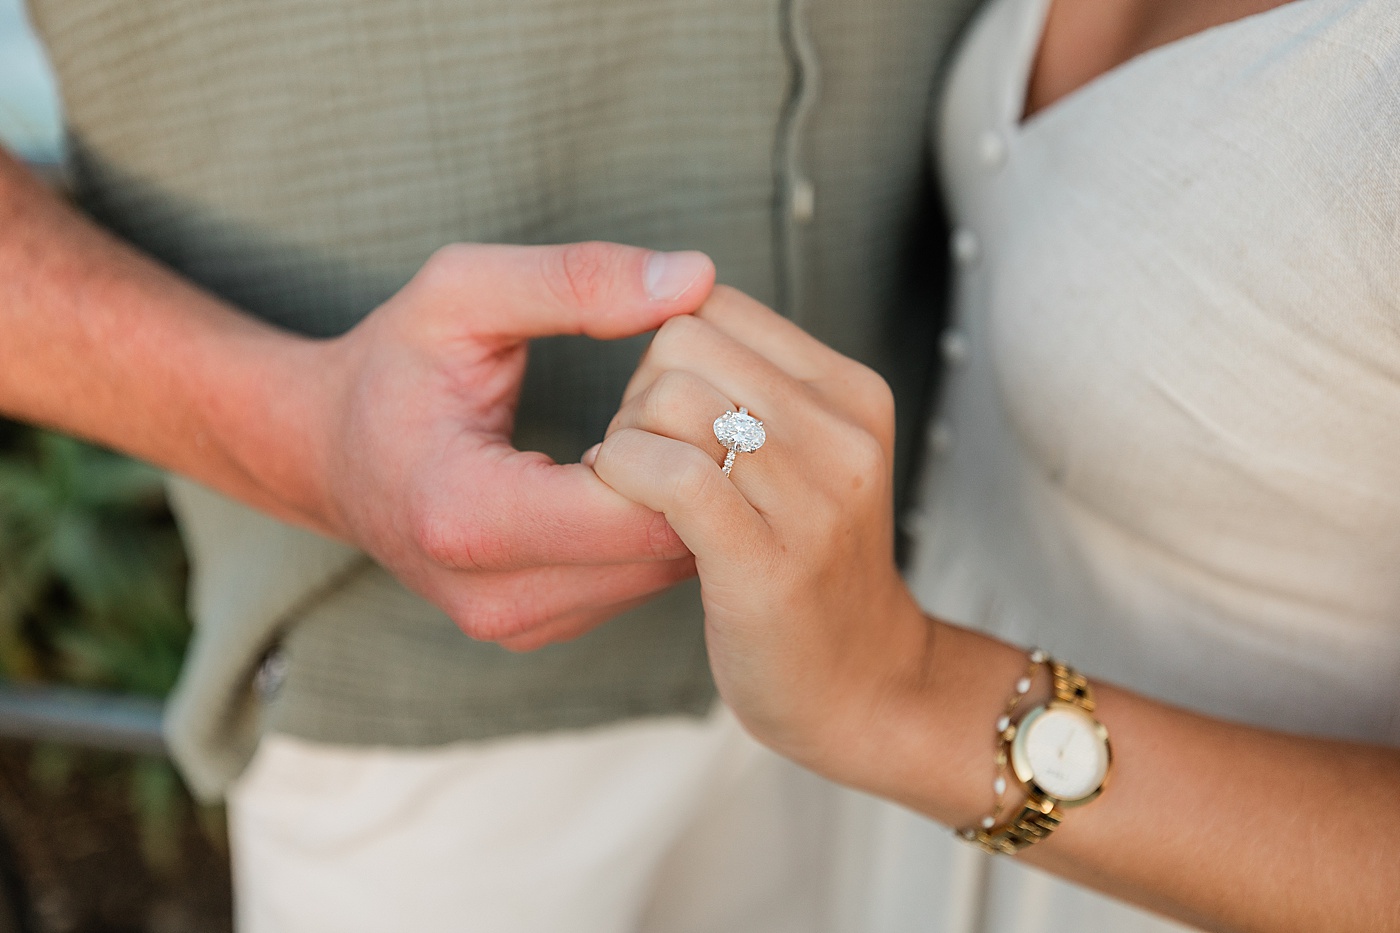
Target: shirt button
pixel 965 247
pixel 991 148
pixel 804 200
pixel 954 346
pixel 940 439
pixel 271 674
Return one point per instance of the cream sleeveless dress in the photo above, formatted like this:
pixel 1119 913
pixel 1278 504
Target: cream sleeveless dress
pixel 1169 450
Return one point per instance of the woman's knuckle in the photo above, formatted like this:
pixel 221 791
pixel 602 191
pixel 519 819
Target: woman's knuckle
pixel 695 478
pixel 617 454
pixel 668 397
pixel 867 454
pixel 856 449
pixel 722 300
pixel 676 383
pixel 879 393
pixel 673 337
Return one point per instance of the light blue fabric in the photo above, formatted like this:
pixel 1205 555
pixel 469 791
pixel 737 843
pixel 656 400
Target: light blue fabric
pixel 29 112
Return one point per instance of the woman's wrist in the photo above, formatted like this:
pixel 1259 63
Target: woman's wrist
pixel 925 734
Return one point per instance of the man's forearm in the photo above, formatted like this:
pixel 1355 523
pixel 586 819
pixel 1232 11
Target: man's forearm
pixel 100 341
pixel 394 437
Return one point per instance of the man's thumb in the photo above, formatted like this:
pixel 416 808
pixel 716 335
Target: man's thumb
pixel 603 290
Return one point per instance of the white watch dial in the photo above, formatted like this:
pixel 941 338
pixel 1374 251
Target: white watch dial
pixel 1064 750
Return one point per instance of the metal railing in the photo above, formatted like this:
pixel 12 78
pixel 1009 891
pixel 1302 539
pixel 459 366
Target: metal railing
pixel 89 718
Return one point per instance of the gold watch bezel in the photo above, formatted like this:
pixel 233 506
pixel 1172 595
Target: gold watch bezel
pixel 1020 759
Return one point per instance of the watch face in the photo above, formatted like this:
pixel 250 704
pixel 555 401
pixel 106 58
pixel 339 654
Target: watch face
pixel 1063 750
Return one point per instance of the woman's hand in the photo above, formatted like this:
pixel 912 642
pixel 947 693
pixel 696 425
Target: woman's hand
pixel 807 618
pixel 824 655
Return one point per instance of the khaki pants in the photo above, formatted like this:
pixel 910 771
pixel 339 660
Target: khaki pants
pixel 652 826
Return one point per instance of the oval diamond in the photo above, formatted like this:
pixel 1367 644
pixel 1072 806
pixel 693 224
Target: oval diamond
pixel 740 431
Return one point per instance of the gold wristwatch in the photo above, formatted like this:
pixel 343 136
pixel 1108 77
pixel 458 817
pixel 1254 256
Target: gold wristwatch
pixel 1060 754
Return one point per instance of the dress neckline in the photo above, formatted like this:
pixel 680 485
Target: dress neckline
pixel 1033 36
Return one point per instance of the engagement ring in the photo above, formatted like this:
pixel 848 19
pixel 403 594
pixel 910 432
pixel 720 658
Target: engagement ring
pixel 738 432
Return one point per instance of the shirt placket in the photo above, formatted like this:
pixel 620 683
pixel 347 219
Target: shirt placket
pixel 795 204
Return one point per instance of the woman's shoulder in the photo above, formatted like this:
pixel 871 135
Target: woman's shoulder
pixel 1357 41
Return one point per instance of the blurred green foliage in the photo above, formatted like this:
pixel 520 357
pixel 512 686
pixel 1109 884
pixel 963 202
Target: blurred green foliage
pixel 91 568
pixel 92 594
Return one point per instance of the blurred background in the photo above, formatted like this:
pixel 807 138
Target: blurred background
pixel 97 834
pixel 29 120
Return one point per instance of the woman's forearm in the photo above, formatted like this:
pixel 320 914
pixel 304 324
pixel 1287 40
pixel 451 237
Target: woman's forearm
pixel 1215 824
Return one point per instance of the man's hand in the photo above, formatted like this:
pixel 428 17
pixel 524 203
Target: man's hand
pixel 419 468
pixel 394 437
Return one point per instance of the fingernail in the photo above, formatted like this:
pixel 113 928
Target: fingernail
pixel 668 275
pixel 591 455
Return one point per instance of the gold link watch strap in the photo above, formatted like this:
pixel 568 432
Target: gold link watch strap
pixel 1040 815
pixel 1037 819
pixel 1072 686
